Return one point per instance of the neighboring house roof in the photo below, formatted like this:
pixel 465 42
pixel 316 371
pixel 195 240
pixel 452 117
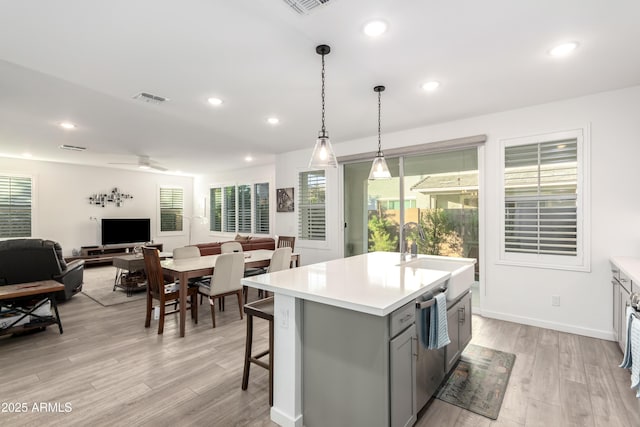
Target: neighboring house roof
pixel 447 182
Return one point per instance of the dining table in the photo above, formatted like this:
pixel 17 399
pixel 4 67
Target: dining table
pixel 187 268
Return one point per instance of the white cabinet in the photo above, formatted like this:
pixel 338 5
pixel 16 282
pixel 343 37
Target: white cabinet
pixel 459 324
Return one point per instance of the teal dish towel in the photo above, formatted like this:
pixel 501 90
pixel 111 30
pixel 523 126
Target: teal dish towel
pixel 632 349
pixel 438 331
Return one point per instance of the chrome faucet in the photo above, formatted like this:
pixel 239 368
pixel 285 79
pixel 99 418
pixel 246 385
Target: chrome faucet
pixel 414 248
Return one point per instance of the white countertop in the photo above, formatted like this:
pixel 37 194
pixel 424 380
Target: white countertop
pixel 372 283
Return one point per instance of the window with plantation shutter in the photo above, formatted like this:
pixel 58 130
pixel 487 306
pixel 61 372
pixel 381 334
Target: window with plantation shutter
pixel 244 208
pixel 261 207
pixel 215 211
pixel 229 209
pixel 15 206
pixel 543 192
pixel 312 216
pixel 171 209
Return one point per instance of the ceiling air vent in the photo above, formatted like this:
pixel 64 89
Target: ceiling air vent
pixel 148 97
pixel 303 7
pixel 72 147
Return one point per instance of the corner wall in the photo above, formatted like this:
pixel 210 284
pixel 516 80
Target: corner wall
pixel 523 294
pixel 61 200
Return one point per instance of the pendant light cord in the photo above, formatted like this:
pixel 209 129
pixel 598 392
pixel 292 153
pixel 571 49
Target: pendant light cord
pixel 323 128
pixel 379 139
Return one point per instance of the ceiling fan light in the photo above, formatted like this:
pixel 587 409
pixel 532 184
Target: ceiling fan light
pixel 323 156
pixel 379 168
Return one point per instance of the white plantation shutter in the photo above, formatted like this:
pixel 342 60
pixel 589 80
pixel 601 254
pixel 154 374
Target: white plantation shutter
pixel 541 195
pixel 229 217
pixel 312 216
pixel 15 206
pixel 215 210
pixel 261 207
pixel 244 208
pixel 171 209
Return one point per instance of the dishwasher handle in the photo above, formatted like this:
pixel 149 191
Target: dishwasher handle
pixel 429 302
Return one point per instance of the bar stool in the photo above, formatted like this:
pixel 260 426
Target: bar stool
pixel 264 309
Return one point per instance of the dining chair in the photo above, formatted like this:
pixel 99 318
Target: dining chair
pixel 280 260
pixel 165 293
pixel 186 252
pixel 286 241
pixel 229 247
pixel 227 273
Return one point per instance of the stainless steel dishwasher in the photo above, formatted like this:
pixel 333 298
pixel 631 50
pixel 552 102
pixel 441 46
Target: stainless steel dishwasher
pixel 430 363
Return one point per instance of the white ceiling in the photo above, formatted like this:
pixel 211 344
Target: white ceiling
pixel 82 61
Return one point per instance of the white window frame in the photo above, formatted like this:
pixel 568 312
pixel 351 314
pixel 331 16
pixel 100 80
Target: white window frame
pixel 582 260
pixel 34 198
pixel 312 243
pixel 159 212
pixel 251 186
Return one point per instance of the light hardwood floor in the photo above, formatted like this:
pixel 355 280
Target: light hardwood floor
pixel 113 371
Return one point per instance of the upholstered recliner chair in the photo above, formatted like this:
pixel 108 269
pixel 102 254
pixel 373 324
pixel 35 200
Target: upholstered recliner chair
pixel 30 260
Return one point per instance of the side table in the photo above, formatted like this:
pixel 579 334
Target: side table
pixel 131 263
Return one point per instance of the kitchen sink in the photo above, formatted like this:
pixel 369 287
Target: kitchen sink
pixel 461 269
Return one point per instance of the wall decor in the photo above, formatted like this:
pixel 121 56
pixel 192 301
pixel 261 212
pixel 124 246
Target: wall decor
pixel 102 199
pixel 284 197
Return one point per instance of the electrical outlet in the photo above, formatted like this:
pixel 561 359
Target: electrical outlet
pixel 284 319
pixel 555 300
pixel 156 313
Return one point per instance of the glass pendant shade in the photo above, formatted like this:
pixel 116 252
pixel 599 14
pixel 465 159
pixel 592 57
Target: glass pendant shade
pixel 322 156
pixel 379 168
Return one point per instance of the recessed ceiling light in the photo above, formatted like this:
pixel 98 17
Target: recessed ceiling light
pixel 67 125
pixel 563 49
pixel 215 101
pixel 248 159
pixel 431 85
pixel 27 155
pixel 273 120
pixel 375 28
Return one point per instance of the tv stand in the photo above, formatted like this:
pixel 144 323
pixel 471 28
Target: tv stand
pixel 103 254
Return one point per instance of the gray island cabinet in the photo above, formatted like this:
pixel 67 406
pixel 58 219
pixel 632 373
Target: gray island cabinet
pixel 345 339
pixel 358 368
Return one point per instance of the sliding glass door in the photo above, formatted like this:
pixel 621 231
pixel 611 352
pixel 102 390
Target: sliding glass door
pixel 439 191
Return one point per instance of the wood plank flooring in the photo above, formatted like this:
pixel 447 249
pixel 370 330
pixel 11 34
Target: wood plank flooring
pixel 112 371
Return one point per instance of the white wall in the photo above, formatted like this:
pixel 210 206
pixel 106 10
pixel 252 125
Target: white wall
pixel 61 200
pixel 202 184
pixel 517 293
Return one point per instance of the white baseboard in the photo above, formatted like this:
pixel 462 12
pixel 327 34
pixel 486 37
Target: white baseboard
pixel 562 327
pixel 282 419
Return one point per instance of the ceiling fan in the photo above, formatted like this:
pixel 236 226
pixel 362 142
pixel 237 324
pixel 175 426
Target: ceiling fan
pixel 144 162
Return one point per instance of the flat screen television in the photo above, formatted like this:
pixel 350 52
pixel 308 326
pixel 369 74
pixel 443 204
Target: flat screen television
pixel 125 230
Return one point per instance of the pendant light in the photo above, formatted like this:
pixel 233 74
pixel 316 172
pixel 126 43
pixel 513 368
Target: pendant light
pixel 322 156
pixel 379 168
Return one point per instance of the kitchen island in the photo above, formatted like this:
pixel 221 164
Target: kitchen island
pixel 333 347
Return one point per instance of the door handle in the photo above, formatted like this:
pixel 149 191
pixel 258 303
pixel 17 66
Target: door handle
pixel 461 315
